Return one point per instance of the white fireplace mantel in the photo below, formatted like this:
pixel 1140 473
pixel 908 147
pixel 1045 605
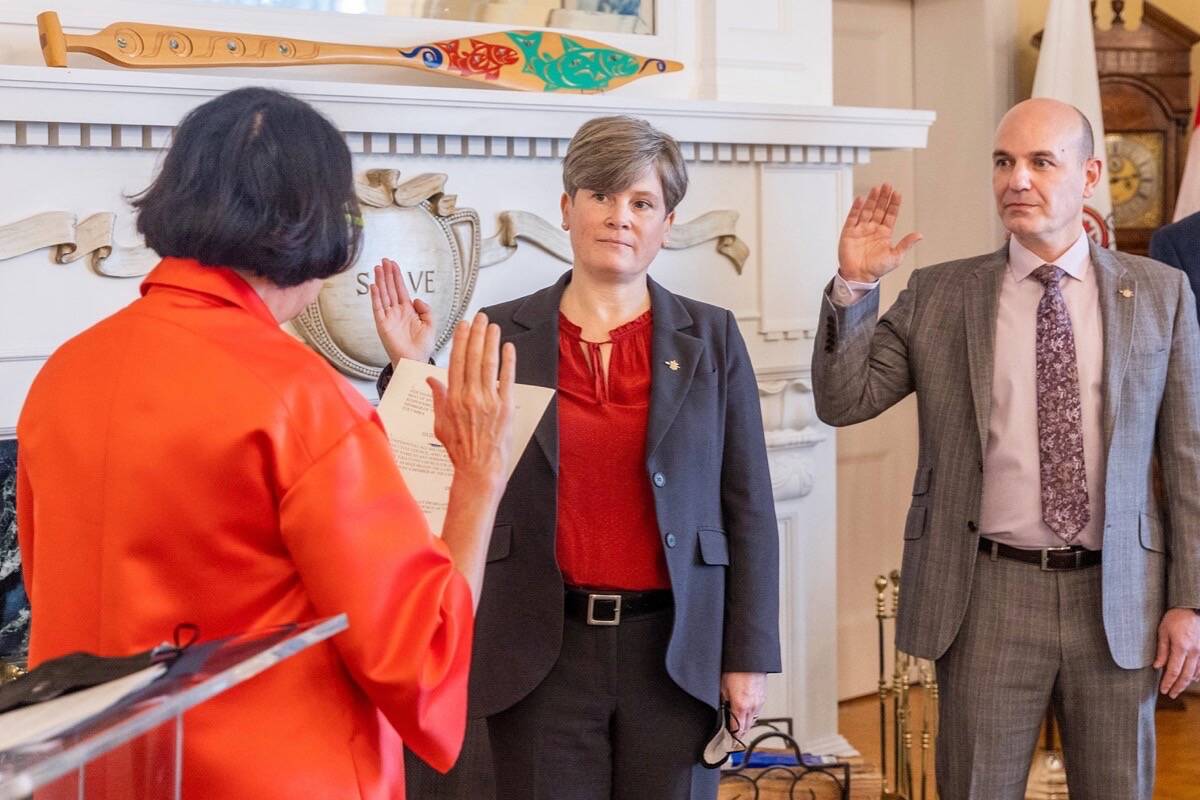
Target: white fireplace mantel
pixel 81 141
pixel 159 100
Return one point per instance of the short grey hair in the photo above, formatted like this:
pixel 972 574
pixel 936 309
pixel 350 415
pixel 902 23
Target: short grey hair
pixel 607 154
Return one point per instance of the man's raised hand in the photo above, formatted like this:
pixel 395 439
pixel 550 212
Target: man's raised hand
pixel 865 249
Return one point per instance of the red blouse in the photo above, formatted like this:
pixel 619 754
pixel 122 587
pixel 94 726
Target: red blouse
pixel 608 534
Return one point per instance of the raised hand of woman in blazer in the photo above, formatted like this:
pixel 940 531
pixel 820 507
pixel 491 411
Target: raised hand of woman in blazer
pixel 406 326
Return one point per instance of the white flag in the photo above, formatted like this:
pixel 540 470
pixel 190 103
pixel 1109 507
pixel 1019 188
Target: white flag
pixel 1066 71
pixel 1189 186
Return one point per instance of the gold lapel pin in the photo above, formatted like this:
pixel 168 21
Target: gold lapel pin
pixel 1126 293
pixel 673 364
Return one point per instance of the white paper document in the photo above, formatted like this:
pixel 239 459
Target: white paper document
pixel 406 409
pixel 42 721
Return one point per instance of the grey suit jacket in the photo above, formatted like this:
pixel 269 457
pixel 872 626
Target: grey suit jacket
pixel 715 510
pixel 938 340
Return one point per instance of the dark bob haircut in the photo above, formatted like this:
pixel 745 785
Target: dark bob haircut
pixel 258 181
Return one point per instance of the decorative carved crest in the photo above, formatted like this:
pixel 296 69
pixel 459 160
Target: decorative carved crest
pixel 412 222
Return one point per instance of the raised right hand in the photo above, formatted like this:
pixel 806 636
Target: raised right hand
pixel 472 415
pixel 865 250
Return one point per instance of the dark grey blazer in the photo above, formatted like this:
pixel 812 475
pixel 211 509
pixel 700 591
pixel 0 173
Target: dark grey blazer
pixel 716 514
pixel 1178 244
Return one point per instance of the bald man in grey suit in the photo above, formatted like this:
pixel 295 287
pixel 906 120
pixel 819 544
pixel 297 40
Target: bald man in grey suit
pixel 1040 563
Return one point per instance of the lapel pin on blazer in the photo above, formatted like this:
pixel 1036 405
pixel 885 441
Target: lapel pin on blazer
pixel 1126 293
pixel 673 364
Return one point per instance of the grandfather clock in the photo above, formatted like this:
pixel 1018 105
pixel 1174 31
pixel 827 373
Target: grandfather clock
pixel 1146 100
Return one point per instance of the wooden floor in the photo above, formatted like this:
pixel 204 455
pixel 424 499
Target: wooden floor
pixel 1178 742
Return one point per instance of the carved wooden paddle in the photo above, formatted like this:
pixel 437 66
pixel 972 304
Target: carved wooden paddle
pixel 533 61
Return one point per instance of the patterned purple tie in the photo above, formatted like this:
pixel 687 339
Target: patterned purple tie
pixel 1060 417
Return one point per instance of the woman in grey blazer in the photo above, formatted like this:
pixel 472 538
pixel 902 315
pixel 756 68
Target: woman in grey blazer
pixel 632 579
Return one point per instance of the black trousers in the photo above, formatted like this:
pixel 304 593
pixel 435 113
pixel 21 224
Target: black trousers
pixel 607 723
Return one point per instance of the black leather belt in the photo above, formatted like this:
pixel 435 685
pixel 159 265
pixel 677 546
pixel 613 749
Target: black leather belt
pixel 608 608
pixel 1051 559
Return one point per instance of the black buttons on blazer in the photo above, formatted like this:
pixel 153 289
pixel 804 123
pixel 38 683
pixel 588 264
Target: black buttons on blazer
pixel 660 480
pixel 972 527
pixel 670 537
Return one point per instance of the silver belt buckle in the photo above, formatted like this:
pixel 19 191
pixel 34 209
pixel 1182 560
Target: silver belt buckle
pixel 1046 551
pixel 591 609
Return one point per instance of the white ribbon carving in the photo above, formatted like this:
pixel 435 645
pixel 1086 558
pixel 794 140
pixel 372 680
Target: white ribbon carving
pixel 514 225
pixel 73 240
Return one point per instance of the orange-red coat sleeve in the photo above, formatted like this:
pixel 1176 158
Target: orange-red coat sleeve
pixel 361 545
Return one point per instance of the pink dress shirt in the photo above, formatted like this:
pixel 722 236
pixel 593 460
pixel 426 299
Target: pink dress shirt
pixel 1012 503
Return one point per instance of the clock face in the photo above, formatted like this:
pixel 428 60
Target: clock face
pixel 1135 177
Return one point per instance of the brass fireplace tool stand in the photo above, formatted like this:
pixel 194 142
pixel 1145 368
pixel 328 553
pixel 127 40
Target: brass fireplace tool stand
pixel 899 781
pixel 1048 774
pixel 905 777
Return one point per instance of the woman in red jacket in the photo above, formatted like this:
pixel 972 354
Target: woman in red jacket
pixel 186 460
pixel 633 578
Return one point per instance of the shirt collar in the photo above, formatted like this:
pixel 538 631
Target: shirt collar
pixel 1022 261
pixel 221 283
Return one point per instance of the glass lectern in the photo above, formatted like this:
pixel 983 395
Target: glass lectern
pixel 145 738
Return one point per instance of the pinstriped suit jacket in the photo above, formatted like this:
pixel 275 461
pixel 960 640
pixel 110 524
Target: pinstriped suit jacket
pixel 938 340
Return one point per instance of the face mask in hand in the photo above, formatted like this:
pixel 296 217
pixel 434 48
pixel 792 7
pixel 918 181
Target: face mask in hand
pixel 724 740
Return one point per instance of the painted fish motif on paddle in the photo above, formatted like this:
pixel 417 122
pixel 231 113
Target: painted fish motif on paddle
pixel 579 67
pixel 482 59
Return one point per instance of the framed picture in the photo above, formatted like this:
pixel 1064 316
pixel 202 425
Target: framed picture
pixel 632 16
